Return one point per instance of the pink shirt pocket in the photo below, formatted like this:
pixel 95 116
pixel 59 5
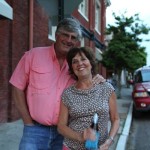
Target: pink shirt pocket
pixel 40 77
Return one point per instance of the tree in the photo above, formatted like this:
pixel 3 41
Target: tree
pixel 124 50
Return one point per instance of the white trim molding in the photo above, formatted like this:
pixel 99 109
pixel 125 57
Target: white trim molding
pixel 6 10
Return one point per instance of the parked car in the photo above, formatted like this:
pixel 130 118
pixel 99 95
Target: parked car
pixel 141 91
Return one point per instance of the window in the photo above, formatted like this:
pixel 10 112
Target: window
pixel 138 77
pixel 83 9
pixel 52 30
pixel 98 54
pixel 82 42
pixel 146 75
pixel 97 16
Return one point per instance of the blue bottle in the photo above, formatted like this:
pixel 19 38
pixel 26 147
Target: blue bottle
pixel 89 144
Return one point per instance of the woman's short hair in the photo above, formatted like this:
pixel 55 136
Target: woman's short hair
pixel 88 52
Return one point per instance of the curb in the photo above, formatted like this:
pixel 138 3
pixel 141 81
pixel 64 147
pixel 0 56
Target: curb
pixel 121 145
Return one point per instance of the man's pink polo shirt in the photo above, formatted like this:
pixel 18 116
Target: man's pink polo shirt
pixel 39 73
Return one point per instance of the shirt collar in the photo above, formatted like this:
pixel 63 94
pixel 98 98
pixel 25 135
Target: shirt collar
pixel 52 52
pixel 53 55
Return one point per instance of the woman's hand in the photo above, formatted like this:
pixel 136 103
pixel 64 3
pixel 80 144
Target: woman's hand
pixel 98 79
pixel 106 145
pixel 89 134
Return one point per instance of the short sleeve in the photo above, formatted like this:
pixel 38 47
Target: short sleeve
pixel 20 75
pixel 65 98
pixel 109 89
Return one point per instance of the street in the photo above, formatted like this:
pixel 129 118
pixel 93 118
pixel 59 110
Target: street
pixel 139 137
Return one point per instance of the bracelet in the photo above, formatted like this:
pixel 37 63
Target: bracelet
pixel 111 138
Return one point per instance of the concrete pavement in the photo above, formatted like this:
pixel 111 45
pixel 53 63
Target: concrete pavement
pixel 125 106
pixel 10 133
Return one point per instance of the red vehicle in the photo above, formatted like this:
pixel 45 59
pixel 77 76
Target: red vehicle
pixel 141 91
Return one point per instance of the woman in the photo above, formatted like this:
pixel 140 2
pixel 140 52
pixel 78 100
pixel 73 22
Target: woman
pixel 82 100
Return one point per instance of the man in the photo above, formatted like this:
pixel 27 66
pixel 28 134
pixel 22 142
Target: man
pixel 38 82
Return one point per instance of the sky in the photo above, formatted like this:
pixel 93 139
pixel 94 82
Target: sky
pixel 131 7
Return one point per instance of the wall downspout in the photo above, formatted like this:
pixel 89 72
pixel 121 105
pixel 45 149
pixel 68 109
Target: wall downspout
pixel 31 24
pixel 60 10
pixel 91 5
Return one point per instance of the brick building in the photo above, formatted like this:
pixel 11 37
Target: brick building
pixel 30 23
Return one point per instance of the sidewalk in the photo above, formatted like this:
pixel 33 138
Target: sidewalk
pixel 10 133
pixel 125 113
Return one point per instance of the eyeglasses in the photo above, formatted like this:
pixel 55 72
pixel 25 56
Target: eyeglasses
pixel 69 36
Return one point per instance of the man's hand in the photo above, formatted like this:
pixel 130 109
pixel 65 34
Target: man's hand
pixel 98 79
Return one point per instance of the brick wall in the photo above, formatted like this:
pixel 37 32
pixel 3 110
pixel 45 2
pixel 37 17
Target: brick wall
pixel 4 68
pixel 14 41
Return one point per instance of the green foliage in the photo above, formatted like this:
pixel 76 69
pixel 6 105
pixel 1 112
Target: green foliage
pixel 124 50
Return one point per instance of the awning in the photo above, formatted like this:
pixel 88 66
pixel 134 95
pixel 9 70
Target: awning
pixel 6 10
pixel 52 8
